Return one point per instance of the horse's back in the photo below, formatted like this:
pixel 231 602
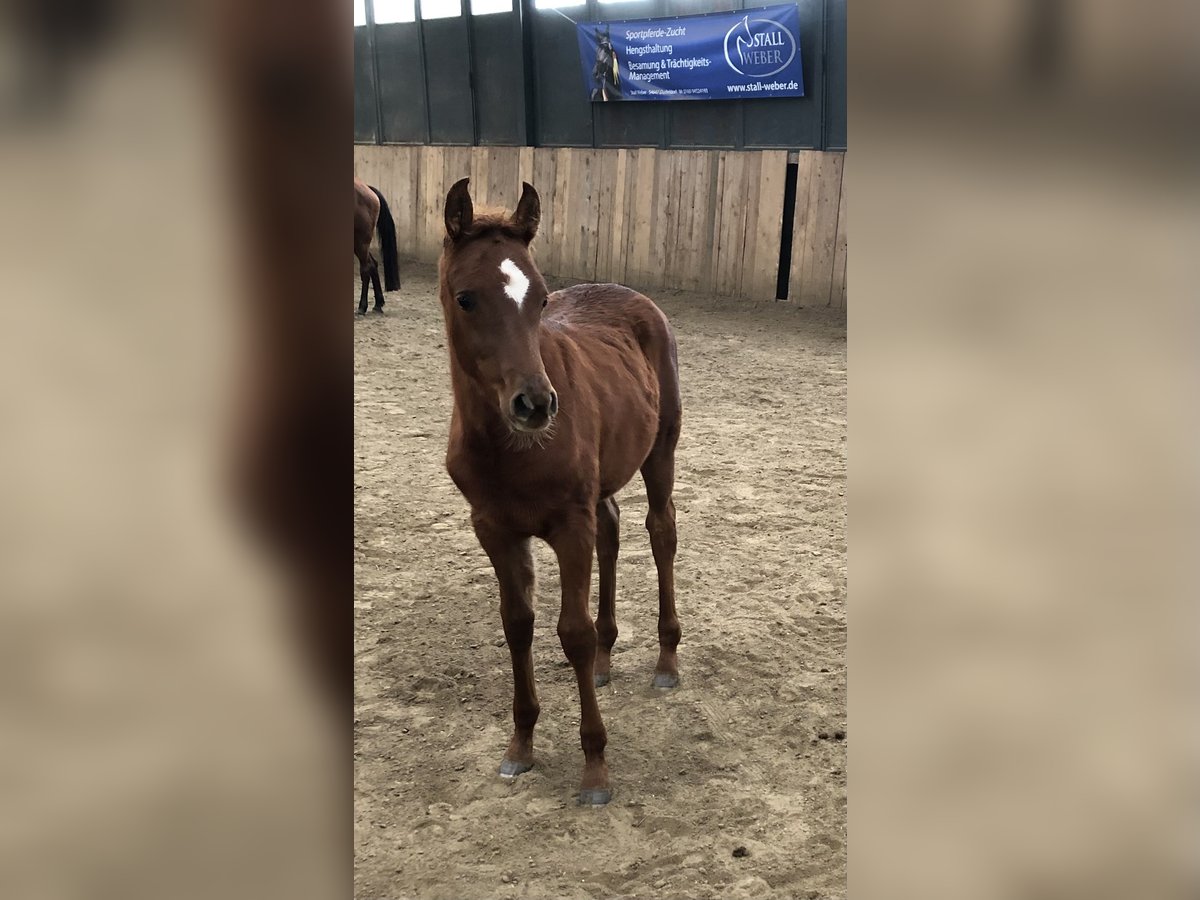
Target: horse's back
pixel 617 317
pixel 598 309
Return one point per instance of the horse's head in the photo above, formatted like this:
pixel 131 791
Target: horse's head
pixel 493 297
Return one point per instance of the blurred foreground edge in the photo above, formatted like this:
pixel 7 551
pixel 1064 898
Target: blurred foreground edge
pixel 286 90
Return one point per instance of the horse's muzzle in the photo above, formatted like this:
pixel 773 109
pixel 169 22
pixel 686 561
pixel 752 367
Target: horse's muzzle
pixel 533 408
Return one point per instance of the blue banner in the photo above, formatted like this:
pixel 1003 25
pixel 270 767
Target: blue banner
pixel 743 55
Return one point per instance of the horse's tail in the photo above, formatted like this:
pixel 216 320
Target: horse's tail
pixel 387 243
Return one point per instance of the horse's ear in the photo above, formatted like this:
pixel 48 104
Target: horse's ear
pixel 528 213
pixel 459 211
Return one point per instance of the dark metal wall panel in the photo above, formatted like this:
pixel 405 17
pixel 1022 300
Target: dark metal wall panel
pixel 564 113
pixel 705 124
pixel 448 77
pixel 401 83
pixel 629 124
pixel 499 78
pixel 835 74
pixel 365 114
pixel 527 84
pixel 794 123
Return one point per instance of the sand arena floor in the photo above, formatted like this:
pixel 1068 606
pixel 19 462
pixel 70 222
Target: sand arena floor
pixel 733 758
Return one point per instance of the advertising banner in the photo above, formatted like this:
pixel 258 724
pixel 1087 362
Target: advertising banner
pixel 746 54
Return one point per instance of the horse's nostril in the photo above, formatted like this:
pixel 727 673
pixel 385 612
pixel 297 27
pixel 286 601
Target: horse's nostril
pixel 553 403
pixel 522 408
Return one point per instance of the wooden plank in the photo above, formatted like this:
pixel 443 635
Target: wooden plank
pixel 806 194
pixel 524 167
pixel 731 239
pixel 709 282
pixel 479 178
pixel 681 204
pixel 751 198
pixel 609 268
pixel 543 180
pixel 399 197
pixel 677 214
pixel 718 213
pixel 671 215
pixel 574 223
pixel 652 271
pixel 817 264
pixel 389 184
pixel 364 162
pixel 837 287
pixel 605 200
pixel 685 174
pixel 656 251
pixel 632 202
pixel 643 198
pixel 433 203
pixel 768 225
pixel 622 211
pixel 564 162
pixel 653 276
pixel 456 165
pixel 585 225
pixel 403 199
pixel 601 200
pixel 700 241
pixel 705 228
pixel 504 186
pixel 416 224
pixel 384 169
pixel 746 198
pixel 569 248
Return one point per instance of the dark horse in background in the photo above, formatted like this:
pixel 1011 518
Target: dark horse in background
pixel 606 73
pixel 559 400
pixel 371 211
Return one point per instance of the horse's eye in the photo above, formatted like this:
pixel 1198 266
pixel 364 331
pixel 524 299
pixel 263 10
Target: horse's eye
pixel 466 300
pixel 544 302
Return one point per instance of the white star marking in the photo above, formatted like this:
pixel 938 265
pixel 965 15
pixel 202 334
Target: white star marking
pixel 518 281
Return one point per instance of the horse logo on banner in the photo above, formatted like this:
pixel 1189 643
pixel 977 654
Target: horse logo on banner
pixel 761 47
pixel 606 72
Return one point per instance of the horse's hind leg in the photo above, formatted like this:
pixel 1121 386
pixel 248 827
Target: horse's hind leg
pixel 376 285
pixel 658 471
pixel 365 277
pixel 512 559
pixel 608 541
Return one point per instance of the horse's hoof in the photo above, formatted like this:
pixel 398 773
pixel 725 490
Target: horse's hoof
pixel 361 312
pixel 510 769
pixel 378 309
pixel 602 680
pixel 594 797
pixel 665 680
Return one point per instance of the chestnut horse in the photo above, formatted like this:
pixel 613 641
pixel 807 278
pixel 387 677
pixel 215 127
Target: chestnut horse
pixel 558 400
pixel 371 209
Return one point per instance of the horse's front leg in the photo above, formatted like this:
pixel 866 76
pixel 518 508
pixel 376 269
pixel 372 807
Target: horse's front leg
pixel 574 542
pixel 512 558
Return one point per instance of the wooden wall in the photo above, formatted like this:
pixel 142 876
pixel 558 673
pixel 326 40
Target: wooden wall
pixel 703 220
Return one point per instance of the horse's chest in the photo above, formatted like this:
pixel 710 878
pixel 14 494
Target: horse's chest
pixel 518 489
